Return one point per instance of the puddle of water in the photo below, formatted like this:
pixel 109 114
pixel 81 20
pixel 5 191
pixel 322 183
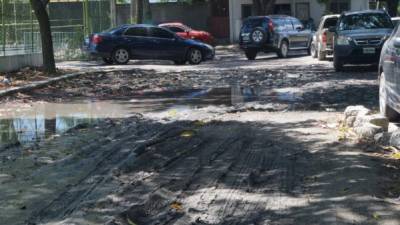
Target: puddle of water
pixel 31 122
pixel 25 123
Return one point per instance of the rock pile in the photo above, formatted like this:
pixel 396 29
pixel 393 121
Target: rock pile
pixel 371 127
pixel 365 124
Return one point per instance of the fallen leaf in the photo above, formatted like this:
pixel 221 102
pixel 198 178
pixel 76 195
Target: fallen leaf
pixel 177 206
pixel 396 155
pixel 130 221
pixel 187 133
pixel 376 216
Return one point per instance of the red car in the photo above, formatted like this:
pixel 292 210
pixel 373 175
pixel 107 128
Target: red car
pixel 188 33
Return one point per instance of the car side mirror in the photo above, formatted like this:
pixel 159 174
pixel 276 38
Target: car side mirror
pixel 396 42
pixel 299 28
pixel 332 29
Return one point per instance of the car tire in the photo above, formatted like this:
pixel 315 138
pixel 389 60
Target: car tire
pixel 194 56
pixel 258 36
pixel 108 61
pixel 283 49
pixel 337 64
pixel 313 51
pixel 121 56
pixel 251 54
pixel 385 109
pixel 180 62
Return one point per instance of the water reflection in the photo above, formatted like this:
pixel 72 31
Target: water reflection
pixel 21 123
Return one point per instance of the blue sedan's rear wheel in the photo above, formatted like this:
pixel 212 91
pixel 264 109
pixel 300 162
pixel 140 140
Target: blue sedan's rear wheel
pixel 195 56
pixel 120 56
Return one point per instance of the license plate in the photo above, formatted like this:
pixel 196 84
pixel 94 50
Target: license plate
pixel 369 50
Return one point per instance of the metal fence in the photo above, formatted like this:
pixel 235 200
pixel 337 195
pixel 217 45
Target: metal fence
pixel 70 21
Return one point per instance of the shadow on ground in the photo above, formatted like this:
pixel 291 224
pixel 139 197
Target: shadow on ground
pixel 225 173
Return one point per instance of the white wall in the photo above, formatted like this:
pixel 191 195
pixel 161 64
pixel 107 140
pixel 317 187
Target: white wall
pixel 235 14
pixel 359 5
pixel 15 62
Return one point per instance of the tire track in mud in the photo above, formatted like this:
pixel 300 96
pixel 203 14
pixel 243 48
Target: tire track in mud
pixel 176 186
pixel 109 160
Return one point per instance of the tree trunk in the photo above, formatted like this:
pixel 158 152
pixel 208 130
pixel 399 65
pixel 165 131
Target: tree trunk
pixel 45 33
pixel 392 7
pixel 139 11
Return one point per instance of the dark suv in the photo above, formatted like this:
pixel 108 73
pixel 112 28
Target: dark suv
pixel 273 34
pixel 359 37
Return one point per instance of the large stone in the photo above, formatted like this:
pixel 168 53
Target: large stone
pixel 356 111
pixel 376 119
pixel 350 121
pixel 395 139
pixel 383 138
pixel 367 131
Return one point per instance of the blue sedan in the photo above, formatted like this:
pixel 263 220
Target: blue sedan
pixel 126 42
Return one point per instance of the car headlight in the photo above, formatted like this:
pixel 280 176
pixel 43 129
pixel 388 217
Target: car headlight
pixel 343 40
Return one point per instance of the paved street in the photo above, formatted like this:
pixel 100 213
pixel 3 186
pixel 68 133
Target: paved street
pixel 229 141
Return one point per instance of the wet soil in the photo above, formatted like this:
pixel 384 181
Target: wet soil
pixel 220 144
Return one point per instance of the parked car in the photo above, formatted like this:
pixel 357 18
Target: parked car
pixel 389 69
pixel 126 42
pixel 275 33
pixel 189 33
pixel 322 44
pixel 359 37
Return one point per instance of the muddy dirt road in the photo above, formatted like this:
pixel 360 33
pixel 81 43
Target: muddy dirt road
pixel 232 145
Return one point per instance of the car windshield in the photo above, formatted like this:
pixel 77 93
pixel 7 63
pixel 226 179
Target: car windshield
pixel 330 22
pixel 365 21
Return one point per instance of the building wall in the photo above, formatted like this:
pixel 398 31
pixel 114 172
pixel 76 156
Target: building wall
pixel 195 15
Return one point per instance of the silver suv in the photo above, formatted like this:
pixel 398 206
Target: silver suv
pixel 275 33
pixel 322 44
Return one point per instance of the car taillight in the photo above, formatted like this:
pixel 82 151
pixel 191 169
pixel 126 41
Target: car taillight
pixel 96 39
pixel 324 38
pixel 271 26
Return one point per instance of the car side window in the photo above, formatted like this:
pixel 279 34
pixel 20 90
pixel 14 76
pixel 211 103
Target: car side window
pixel 136 32
pixel 289 25
pixel 279 25
pixel 161 33
pixel 176 29
pixel 296 23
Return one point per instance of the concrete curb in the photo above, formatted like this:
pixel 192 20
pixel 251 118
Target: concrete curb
pixel 39 84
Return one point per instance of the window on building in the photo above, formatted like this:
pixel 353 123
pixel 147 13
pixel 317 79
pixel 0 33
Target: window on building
pixel 283 9
pixel 247 10
pixel 339 6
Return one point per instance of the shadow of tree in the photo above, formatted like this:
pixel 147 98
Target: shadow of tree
pixel 237 173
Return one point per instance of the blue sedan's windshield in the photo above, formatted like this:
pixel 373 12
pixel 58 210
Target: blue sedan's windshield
pixel 365 21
